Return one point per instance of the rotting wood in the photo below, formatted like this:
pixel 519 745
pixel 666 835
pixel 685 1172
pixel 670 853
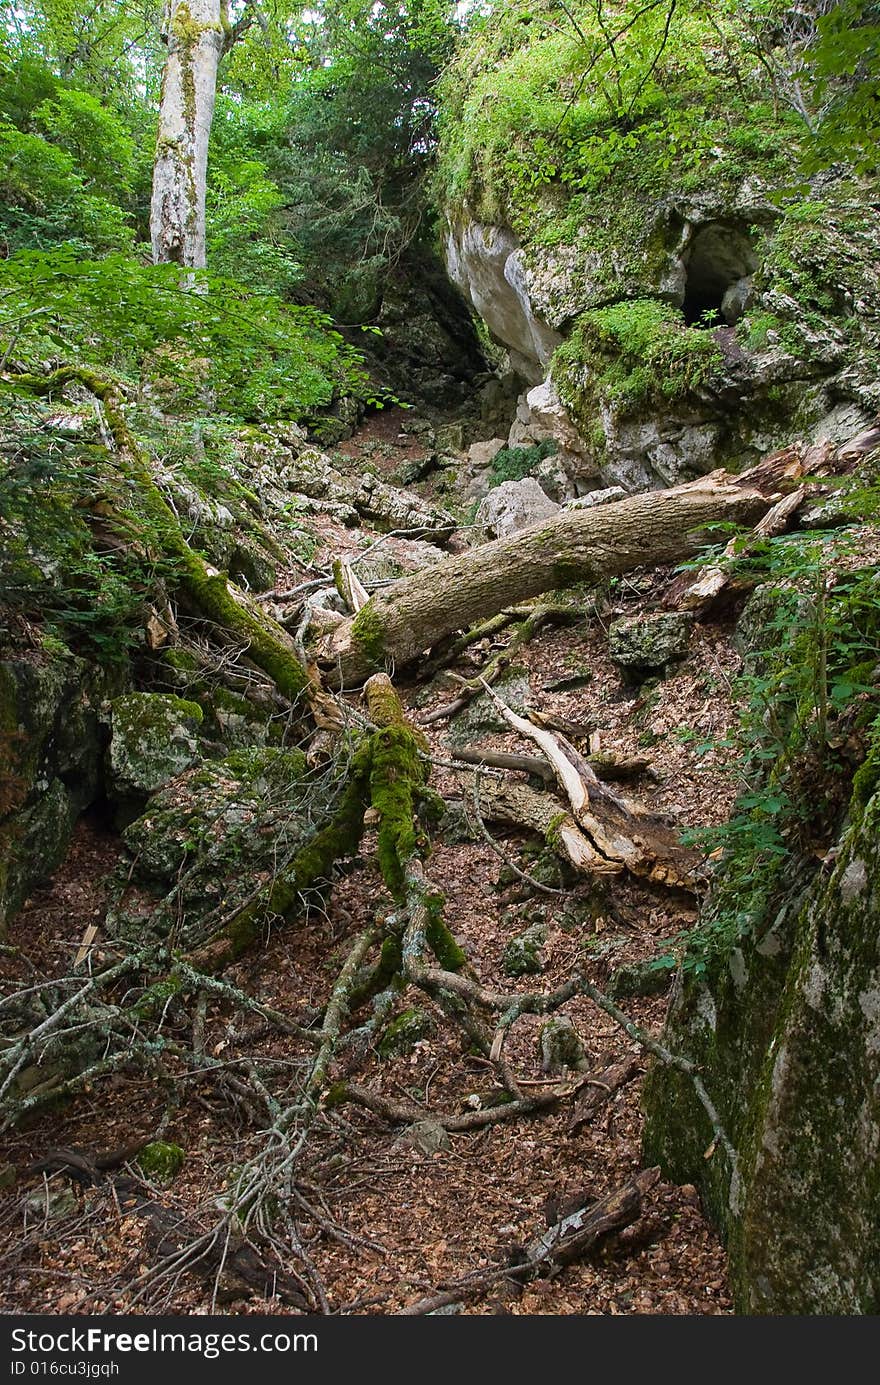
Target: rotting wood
pixel 595 1094
pixel 609 764
pixel 573 1238
pixel 620 831
pixel 521 806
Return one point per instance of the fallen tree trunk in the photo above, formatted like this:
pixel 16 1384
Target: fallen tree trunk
pixel 415 613
pixel 208 592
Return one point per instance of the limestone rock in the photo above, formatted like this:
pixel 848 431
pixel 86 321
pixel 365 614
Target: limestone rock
pixel 251 568
pixel 646 644
pixel 482 715
pixel 486 263
pixel 639 979
pixel 521 956
pixel 153 738
pixel 785 1031
pixel 428 1137
pixel 403 1032
pixel 476 475
pixel 553 478
pixel 561 1047
pixel 547 411
pixel 482 454
pixel 512 506
pixel 253 807
pixel 50 757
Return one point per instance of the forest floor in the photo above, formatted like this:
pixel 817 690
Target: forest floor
pixel 385 1221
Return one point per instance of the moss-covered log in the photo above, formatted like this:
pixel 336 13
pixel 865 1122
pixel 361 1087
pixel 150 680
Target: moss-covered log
pixel 574 546
pixel 210 593
pixel 398 783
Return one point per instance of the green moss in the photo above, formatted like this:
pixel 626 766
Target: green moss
pixel 157 997
pixel 514 463
pixel 140 713
pixel 867 777
pixel 335 1095
pixel 522 955
pixel 551 836
pixel 386 973
pixel 632 354
pixel 396 778
pixel 404 1032
pixel 368 633
pixel 449 954
pixel 161 1161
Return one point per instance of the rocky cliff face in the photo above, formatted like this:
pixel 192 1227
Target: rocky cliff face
pixel 786 1032
pixel 671 293
pixel 757 363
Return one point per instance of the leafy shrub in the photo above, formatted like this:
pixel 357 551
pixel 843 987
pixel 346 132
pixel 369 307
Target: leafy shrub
pixel 255 356
pixel 513 463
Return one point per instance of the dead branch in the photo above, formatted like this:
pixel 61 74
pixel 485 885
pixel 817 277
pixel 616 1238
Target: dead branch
pixel 599 1090
pixel 573 1238
pixel 620 831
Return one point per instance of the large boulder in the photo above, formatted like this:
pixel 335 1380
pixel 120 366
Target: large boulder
pixel 541 417
pixel 784 1028
pixel 512 506
pixel 487 265
pixel 153 739
pixel 50 757
pixel 646 644
pixel 207 839
pixel 482 716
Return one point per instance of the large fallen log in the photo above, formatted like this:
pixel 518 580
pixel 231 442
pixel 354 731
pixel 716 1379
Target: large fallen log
pixel 400 623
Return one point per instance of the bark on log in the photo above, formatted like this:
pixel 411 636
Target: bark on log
pixel 607 1082
pixel 402 622
pixel 521 806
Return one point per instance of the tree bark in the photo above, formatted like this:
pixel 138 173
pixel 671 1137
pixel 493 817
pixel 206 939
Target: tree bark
pixel 196 36
pixel 576 546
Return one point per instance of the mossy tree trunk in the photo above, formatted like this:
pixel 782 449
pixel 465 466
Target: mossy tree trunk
pixel 196 36
pixel 574 546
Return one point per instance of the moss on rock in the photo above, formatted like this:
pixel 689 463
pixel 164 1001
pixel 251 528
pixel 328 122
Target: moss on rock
pixel 403 1032
pixel 154 738
pixel 161 1161
pixel 785 1030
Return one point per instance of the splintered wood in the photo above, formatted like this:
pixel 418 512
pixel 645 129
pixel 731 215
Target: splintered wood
pixel 603 832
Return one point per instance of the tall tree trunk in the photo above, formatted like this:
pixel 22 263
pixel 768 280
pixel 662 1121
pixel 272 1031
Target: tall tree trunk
pixel 574 546
pixel 196 36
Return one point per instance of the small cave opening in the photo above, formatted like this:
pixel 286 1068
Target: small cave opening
pixel 719 265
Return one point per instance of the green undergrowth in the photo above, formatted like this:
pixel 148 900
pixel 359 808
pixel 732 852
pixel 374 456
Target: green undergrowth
pixel 809 693
pixel 77 552
pixel 541 114
pixel 631 354
pixel 515 463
